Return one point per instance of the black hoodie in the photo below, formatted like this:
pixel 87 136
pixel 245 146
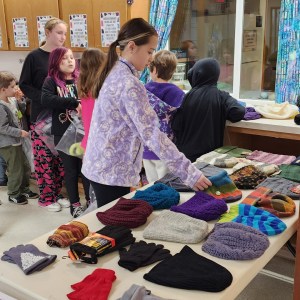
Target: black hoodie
pixel 199 123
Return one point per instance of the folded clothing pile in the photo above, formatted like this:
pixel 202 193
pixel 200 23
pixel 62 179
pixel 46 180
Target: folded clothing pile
pixel 191 271
pixel 270 158
pixel 234 241
pixel 290 172
pixel 248 177
pixel 29 258
pixel 126 212
pixel 254 217
pixel 223 188
pixel 277 204
pixel 219 160
pixel 142 254
pixel 137 292
pixel 277 111
pixel 95 286
pixel 263 167
pixel 234 151
pixel 251 114
pixel 202 206
pixel 175 227
pixel 176 183
pixel 159 196
pixel 69 234
pixel 108 239
pixel 280 185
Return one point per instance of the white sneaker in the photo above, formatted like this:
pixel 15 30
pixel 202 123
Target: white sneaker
pixel 64 202
pixel 53 207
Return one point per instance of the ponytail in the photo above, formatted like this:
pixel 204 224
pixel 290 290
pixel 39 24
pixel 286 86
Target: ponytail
pixel 137 30
pixel 43 43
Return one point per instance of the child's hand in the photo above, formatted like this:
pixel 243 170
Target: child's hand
pixel 19 95
pixel 24 133
pixel 79 112
pixel 202 183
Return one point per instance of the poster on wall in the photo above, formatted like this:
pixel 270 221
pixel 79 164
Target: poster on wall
pixel 0 39
pixel 20 32
pixel 110 27
pixel 78 31
pixel 41 22
pixel 249 40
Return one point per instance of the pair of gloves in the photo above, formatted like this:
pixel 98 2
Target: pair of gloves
pixel 142 254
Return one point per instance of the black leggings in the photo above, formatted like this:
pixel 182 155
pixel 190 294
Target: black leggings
pixel 72 167
pixel 108 193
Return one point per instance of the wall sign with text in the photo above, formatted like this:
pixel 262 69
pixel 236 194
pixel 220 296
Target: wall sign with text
pixel 249 40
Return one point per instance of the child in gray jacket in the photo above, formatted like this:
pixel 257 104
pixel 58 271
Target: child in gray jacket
pixel 11 132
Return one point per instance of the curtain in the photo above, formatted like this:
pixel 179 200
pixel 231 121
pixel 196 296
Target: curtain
pixel 162 14
pixel 287 86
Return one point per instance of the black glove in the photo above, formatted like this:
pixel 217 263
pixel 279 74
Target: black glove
pixel 142 254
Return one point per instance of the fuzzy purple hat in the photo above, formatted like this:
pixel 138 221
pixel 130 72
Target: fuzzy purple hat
pixel 202 206
pixel 235 241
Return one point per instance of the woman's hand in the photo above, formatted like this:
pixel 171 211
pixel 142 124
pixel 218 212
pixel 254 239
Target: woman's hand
pixel 79 112
pixel 202 183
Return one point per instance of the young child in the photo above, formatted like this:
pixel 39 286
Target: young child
pixel 11 132
pixel 91 64
pixel 169 98
pixel 200 121
pixel 123 121
pixel 60 94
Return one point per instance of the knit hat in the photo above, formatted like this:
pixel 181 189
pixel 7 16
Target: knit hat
pixel 174 182
pixel 290 172
pixel 271 158
pixel 159 196
pixel 233 151
pixel 277 204
pixel 251 114
pixel 218 160
pixel 126 212
pixel 223 188
pixel 256 218
pixel 191 271
pixel 67 235
pixel 296 162
pixel 202 206
pixel 207 169
pixel 263 167
pixel 280 185
pixel 248 177
pixel 235 241
pixel 29 258
pixel 175 227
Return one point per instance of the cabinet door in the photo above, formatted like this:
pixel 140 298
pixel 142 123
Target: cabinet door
pixel 101 6
pixel 16 9
pixel 75 7
pixel 42 8
pixel 140 9
pixel 3 35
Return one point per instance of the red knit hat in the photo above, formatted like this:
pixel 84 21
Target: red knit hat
pixel 126 212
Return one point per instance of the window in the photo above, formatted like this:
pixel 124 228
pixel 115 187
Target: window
pixel 204 28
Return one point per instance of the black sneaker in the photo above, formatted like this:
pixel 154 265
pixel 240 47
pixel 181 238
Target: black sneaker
pixel 30 195
pixel 76 211
pixel 21 200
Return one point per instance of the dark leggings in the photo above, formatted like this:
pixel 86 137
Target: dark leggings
pixel 108 193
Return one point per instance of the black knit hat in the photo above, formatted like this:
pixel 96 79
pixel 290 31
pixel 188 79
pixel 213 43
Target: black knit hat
pixel 191 271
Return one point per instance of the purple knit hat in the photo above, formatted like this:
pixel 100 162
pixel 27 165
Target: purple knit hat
pixel 235 241
pixel 202 206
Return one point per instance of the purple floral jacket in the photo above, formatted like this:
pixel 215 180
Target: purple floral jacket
pixel 122 123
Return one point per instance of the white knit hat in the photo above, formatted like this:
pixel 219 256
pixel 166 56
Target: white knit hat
pixel 176 227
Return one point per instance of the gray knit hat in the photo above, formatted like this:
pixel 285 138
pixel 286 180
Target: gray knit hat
pixel 176 227
pixel 235 241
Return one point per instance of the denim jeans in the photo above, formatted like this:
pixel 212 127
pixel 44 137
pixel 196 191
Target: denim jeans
pixel 3 167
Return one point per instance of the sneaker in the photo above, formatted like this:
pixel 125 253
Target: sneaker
pixel 76 211
pixel 30 195
pixel 64 202
pixel 51 207
pixel 18 200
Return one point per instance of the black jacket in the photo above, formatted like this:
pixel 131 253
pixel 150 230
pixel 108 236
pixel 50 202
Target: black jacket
pixel 199 123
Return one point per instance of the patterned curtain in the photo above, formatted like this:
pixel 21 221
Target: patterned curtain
pixel 288 61
pixel 161 17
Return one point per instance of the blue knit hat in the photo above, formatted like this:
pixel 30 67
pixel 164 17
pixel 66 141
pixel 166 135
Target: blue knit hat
pixel 257 218
pixel 159 196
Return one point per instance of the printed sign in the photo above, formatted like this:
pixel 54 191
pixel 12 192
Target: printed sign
pixel 249 40
pixel 41 22
pixel 109 26
pixel 78 31
pixel 20 32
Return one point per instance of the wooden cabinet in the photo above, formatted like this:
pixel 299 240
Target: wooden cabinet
pixel 71 7
pixel 3 40
pixel 42 8
pixel 140 9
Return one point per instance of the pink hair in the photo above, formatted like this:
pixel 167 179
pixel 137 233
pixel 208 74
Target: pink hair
pixel 55 73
